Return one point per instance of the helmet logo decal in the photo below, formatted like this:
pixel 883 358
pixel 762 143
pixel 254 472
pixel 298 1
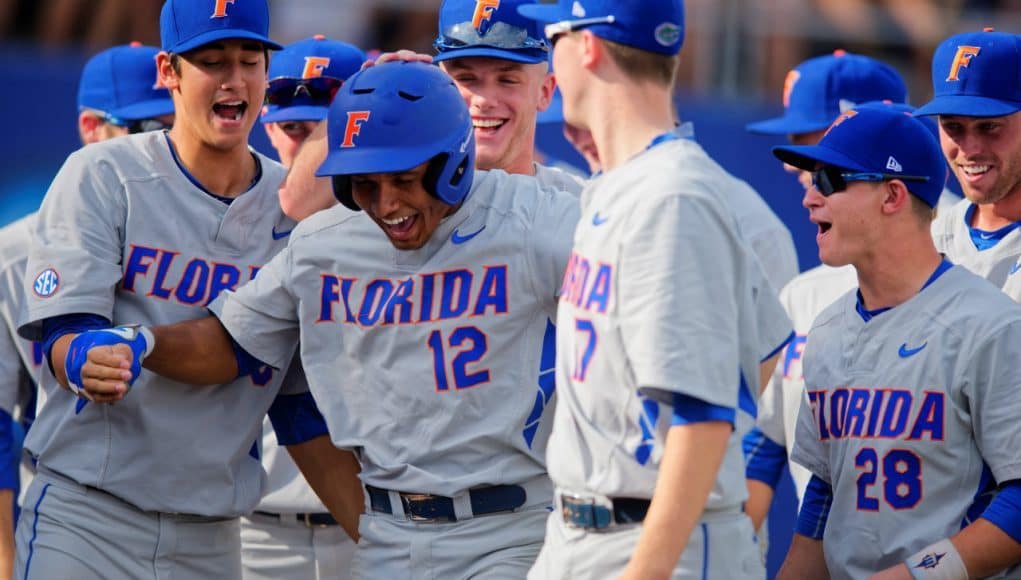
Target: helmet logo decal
pixel 354 126
pixel 961 60
pixel 220 10
pixel 314 66
pixel 483 13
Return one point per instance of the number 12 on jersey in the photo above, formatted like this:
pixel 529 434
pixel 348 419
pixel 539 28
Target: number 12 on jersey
pixel 473 345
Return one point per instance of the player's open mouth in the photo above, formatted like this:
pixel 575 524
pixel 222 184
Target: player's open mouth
pixel 233 111
pixel 399 228
pixel 824 227
pixel 487 126
pixel 975 172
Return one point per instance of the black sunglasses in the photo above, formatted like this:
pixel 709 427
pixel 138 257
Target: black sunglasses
pixel 830 180
pixel 146 125
pixel 317 92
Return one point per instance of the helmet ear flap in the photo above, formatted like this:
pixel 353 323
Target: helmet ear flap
pixel 342 191
pixel 443 180
pixel 433 173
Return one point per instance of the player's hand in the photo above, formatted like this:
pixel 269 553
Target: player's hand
pixel 404 54
pixel 101 365
pixel 898 572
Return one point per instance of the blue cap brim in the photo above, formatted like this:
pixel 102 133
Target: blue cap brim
pixel 522 56
pixel 787 125
pixel 544 12
pixel 299 113
pixel 967 106
pixel 224 34
pixel 372 160
pixel 806 157
pixel 145 110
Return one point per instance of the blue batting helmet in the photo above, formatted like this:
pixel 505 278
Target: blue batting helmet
pixel 393 117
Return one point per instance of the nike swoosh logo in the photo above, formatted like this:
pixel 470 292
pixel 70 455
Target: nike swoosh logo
pixel 459 239
pixel 905 352
pixel 986 236
pixel 598 220
pixel 1015 267
pixel 281 235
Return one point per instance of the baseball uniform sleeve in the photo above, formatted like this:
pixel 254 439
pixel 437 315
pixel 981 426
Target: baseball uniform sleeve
pixel 74 264
pixel 808 449
pixel 775 328
pixel 678 298
pixel 551 240
pixel 770 419
pixel 262 315
pixel 991 388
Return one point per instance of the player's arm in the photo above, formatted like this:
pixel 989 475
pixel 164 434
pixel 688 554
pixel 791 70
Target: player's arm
pixel 8 484
pixel 331 472
pixel 805 557
pixel 333 475
pixel 765 461
pixel 302 193
pixel 695 445
pixel 989 545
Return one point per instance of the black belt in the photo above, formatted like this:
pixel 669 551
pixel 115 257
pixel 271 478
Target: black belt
pixel 310 520
pixel 586 513
pixel 423 507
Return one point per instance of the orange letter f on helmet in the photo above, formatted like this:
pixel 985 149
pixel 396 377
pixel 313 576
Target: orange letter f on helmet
pixel 961 60
pixel 483 11
pixel 220 11
pixel 354 126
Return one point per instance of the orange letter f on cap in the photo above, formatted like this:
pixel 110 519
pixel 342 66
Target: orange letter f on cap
pixel 483 11
pixel 354 126
pixel 220 11
pixel 961 60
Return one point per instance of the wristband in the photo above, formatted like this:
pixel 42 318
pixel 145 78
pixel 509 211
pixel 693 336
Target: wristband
pixel 939 561
pixel 139 338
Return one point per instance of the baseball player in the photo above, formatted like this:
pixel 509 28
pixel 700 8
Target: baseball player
pixel 117 83
pixel 150 228
pixel 425 324
pixel 291 534
pixel 815 93
pixel 910 381
pixel 499 61
pixel 653 362
pixel 979 132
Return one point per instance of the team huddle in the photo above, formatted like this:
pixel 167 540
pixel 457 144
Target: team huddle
pixel 409 350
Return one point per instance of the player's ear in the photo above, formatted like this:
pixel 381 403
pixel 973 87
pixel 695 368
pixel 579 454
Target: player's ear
pixel 593 51
pixel 546 88
pixel 896 197
pixel 88 127
pixel 166 75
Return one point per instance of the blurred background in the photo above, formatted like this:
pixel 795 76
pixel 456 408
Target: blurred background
pixel 735 58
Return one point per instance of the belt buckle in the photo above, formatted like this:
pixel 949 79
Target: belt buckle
pixel 407 498
pixel 587 512
pixel 306 518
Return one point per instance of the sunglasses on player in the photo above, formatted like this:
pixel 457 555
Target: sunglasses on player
pixel 499 35
pixel 133 127
pixel 830 180
pixel 317 92
pixel 557 29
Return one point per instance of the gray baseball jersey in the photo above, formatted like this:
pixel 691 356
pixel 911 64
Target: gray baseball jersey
pixel 764 231
pixel 22 359
pixel 435 364
pixel 124 233
pixel 556 178
pixel 803 298
pixel 908 415
pixel 659 298
pixel 951 233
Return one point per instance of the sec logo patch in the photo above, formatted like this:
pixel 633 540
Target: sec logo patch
pixel 46 283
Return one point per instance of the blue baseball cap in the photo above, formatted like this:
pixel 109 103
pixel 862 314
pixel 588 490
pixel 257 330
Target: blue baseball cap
pixel 929 122
pixel 122 82
pixel 291 69
pixel 188 24
pixel 818 90
pixel 877 140
pixel 651 26
pixel 976 74
pixel 491 28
